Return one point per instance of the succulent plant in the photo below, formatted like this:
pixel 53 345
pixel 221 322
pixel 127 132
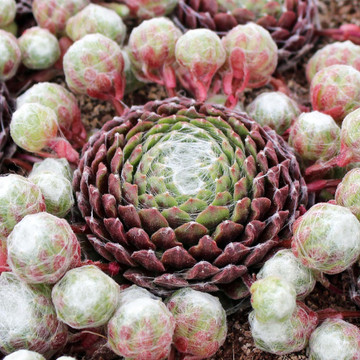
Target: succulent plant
pixel 252 57
pixel 274 109
pixel 147 9
pixel 121 9
pixel 273 299
pixel 345 53
pixel 282 338
pixel 18 197
pixel 200 55
pixel 24 355
pixel 41 248
pixel 200 322
pixel 335 90
pixel 142 327
pixel 63 102
pixel 96 19
pixel 39 48
pixel 315 137
pixel 7 12
pixel 28 319
pixel 59 167
pixel 327 238
pixel 335 339
pixel 53 14
pixel 293 27
pixel 152 51
pixel 175 191
pixel 10 55
pixel 348 192
pixel 85 297
pixel 35 126
pixel 286 266
pixel 94 65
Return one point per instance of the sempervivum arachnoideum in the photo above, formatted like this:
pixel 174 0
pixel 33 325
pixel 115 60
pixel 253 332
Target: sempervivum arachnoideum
pixel 292 24
pixel 183 193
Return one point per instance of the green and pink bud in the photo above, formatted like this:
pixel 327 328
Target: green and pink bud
pixel 85 297
pixel 142 327
pixel 24 355
pixel 30 321
pixel 315 137
pixel 7 12
pixel 96 19
pixel 200 55
pixel 327 238
pixel 345 53
pixel 335 90
pixel 252 57
pixel 94 65
pixel 152 52
pixel 335 339
pixel 147 9
pixel 200 322
pixel 10 55
pixel 53 14
pixel 42 248
pixel 18 197
pixel 274 109
pixel 39 48
pixel 281 338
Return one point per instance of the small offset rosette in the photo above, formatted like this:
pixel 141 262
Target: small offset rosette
pixel 201 326
pixel 85 297
pixel 28 319
pixel 41 248
pixel 327 238
pixel 10 55
pixel 7 12
pixel 59 167
pixel 24 355
pixel 142 327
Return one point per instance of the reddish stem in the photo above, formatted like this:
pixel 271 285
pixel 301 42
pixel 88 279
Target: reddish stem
pixel 333 314
pixel 345 32
pixel 118 105
pixel 112 268
pixel 63 149
pixel 320 169
pixel 22 164
pixel 319 185
pixel 280 85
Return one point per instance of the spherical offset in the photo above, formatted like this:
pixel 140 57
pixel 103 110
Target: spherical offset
pixel 39 48
pixel 59 167
pixel 42 248
pixel 315 136
pixel 141 329
pixel 135 292
pixel 335 339
pixel 96 19
pixel 274 109
pixel 349 136
pixel 85 297
pixel 18 197
pixel 24 355
pixel 33 126
pixel 28 319
pixel 285 265
pixel 327 238
pixel 10 55
pixel 7 12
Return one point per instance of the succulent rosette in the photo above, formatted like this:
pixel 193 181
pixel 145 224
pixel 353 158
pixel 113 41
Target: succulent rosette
pixel 85 297
pixel 39 48
pixel 335 90
pixel 53 14
pixel 152 51
pixel 41 248
pixel 63 102
pixel 175 191
pixel 345 53
pixel 273 299
pixel 142 327
pixel 7 12
pixel 147 9
pixel 335 339
pixel 286 266
pixel 252 57
pixel 315 137
pixel 96 19
pixel 200 322
pixel 327 238
pixel 94 65
pixel 200 55
pixel 285 337
pixel 59 167
pixel 28 319
pixel 274 109
pixel 24 355
pixel 10 55
pixel 18 197
pixel 348 192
